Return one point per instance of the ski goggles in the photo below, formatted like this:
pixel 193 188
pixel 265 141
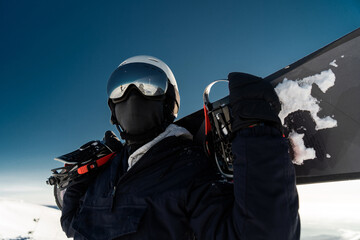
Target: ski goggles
pixel 151 81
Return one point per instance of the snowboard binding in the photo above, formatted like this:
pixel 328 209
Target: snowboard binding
pixel 88 158
pixel 218 134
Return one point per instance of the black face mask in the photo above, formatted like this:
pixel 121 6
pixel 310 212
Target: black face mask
pixel 140 118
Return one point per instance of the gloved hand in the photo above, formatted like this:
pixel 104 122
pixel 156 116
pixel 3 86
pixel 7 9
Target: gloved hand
pixel 252 101
pixel 112 141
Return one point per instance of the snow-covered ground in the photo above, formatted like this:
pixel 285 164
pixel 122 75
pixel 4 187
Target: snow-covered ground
pixel 329 211
pixel 20 220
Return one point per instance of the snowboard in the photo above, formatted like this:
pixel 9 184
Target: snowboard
pixel 319 96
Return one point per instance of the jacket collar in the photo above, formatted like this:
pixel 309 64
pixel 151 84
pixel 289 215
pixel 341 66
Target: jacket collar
pixel 171 130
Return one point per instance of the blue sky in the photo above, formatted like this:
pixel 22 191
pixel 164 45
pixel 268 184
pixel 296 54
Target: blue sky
pixel 56 57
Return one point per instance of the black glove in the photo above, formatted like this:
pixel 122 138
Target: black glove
pixel 252 101
pixel 112 141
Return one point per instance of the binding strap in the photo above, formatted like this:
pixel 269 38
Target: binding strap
pixel 93 165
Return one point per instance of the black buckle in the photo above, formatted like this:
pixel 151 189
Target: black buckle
pixel 92 166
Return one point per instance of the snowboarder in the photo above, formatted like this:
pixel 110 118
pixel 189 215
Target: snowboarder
pixel 160 185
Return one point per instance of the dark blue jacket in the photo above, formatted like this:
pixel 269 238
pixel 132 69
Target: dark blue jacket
pixel 174 192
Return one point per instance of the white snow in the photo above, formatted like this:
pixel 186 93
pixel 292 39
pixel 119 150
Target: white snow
pixel 333 63
pixel 328 155
pixel 328 211
pixel 349 234
pixel 296 95
pixel 325 80
pixel 301 153
pixel 342 56
pixel 303 128
pixel 29 221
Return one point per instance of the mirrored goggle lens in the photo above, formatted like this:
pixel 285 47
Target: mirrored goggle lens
pixel 150 80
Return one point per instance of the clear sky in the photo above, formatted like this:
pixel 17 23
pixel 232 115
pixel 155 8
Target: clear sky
pixel 56 57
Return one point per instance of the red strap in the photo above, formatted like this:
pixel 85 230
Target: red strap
pixel 207 121
pixel 207 129
pixel 101 161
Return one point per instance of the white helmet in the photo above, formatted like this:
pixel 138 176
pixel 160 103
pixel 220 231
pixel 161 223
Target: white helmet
pixel 139 64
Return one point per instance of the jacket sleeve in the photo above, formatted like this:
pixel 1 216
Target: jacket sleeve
pixel 71 202
pixel 262 202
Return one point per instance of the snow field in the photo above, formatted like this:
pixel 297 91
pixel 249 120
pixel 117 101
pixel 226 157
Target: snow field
pixel 20 220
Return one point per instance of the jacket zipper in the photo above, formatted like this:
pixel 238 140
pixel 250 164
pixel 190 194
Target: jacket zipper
pixel 124 176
